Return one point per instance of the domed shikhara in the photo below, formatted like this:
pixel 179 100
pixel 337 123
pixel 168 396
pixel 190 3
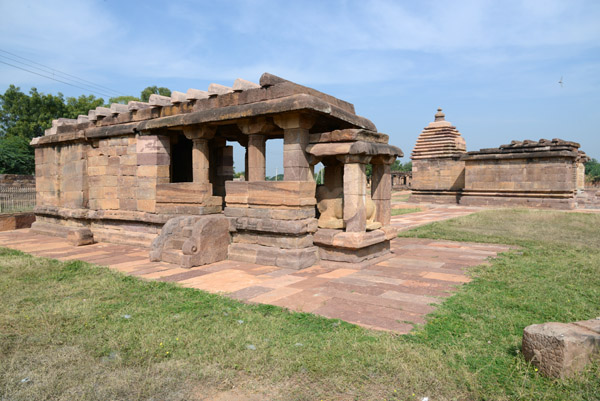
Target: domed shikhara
pixel 439 139
pixel 438 172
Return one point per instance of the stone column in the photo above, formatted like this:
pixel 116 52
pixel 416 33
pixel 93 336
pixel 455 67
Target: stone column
pixel 296 165
pixel 381 188
pixel 256 157
pixel 355 188
pixel 255 129
pixel 200 151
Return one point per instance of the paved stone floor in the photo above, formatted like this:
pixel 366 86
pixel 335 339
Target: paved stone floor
pixel 430 214
pixel 392 294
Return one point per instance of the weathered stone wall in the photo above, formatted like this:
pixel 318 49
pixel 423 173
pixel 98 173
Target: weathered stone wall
pixel 272 222
pixel 552 175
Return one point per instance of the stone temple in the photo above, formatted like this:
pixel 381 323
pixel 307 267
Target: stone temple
pixel 544 173
pixel 159 174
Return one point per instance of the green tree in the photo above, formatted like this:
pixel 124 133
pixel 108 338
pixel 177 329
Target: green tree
pixel 23 117
pixel 592 170
pixel 81 105
pixel 123 99
pixel 16 156
pixel 154 90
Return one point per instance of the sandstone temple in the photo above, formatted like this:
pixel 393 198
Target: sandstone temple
pixel 159 174
pixel 544 173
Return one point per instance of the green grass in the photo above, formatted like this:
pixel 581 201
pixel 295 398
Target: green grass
pixel 400 211
pixel 63 326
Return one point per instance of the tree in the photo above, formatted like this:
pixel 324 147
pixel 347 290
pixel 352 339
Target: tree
pixel 81 105
pixel 16 156
pixel 23 117
pixel 154 90
pixel 592 170
pixel 123 99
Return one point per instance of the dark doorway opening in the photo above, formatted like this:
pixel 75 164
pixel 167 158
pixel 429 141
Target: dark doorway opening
pixel 181 159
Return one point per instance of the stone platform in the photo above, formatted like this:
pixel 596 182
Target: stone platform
pixel 392 294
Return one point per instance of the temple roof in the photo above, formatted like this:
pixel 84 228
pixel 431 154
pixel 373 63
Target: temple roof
pixel 218 105
pixel 528 149
pixel 439 140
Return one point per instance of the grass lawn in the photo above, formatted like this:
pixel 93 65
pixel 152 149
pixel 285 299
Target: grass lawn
pixel 400 211
pixel 72 331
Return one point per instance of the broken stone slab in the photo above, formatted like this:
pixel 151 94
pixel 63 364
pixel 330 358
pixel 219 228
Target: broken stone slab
pixel 159 100
pixel 103 112
pixel 196 94
pixel 118 108
pixel 59 122
pixel 242 85
pixel 92 115
pixel 216 89
pixel 349 135
pixel 561 350
pixel 135 105
pixel 178 97
pixel 51 131
pixel 82 119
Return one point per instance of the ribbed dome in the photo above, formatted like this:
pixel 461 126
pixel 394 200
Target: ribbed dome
pixel 439 139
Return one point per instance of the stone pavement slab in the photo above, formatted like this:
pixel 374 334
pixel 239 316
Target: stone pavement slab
pixel 393 294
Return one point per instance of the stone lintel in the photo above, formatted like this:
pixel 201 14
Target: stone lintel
pixel 349 135
pixel 353 148
pixel 199 132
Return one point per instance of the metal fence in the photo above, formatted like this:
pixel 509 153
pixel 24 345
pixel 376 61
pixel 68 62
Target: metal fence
pixel 15 198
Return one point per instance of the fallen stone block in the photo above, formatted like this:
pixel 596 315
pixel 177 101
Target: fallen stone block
pixel 80 236
pixel 561 350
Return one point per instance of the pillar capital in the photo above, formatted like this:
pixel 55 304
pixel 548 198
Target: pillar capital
pixel 294 120
pixel 258 125
pixel 350 159
pixel 199 132
pixel 383 159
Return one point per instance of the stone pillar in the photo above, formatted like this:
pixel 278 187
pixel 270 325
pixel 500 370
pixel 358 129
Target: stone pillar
pixel 381 188
pixel 200 151
pixel 296 165
pixel 355 188
pixel 256 157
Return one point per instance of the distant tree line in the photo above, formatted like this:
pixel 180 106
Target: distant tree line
pixel 592 170
pixel 26 116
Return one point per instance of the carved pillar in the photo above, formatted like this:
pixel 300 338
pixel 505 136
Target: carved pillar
pixel 355 189
pixel 255 129
pixel 200 151
pixel 381 188
pixel 296 165
pixel 256 157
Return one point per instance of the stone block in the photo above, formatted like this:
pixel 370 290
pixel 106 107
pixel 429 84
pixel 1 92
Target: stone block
pixel 561 350
pixel 208 243
pixel 286 258
pixel 277 241
pixel 80 236
pixel 347 255
pixel 290 227
pixel 146 205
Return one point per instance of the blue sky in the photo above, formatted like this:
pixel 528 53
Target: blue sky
pixel 493 66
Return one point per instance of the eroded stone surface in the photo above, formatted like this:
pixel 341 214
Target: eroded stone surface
pixel 562 349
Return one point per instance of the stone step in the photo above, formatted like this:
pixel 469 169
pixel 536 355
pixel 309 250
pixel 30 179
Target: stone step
pixel 172 256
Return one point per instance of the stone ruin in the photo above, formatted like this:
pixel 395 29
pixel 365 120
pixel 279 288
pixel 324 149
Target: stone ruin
pixel 159 175
pixel 438 173
pixel 562 350
pixel 544 173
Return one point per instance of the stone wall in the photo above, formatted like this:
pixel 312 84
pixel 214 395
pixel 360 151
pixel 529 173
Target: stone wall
pixel 17 179
pixel 272 222
pixel 536 174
